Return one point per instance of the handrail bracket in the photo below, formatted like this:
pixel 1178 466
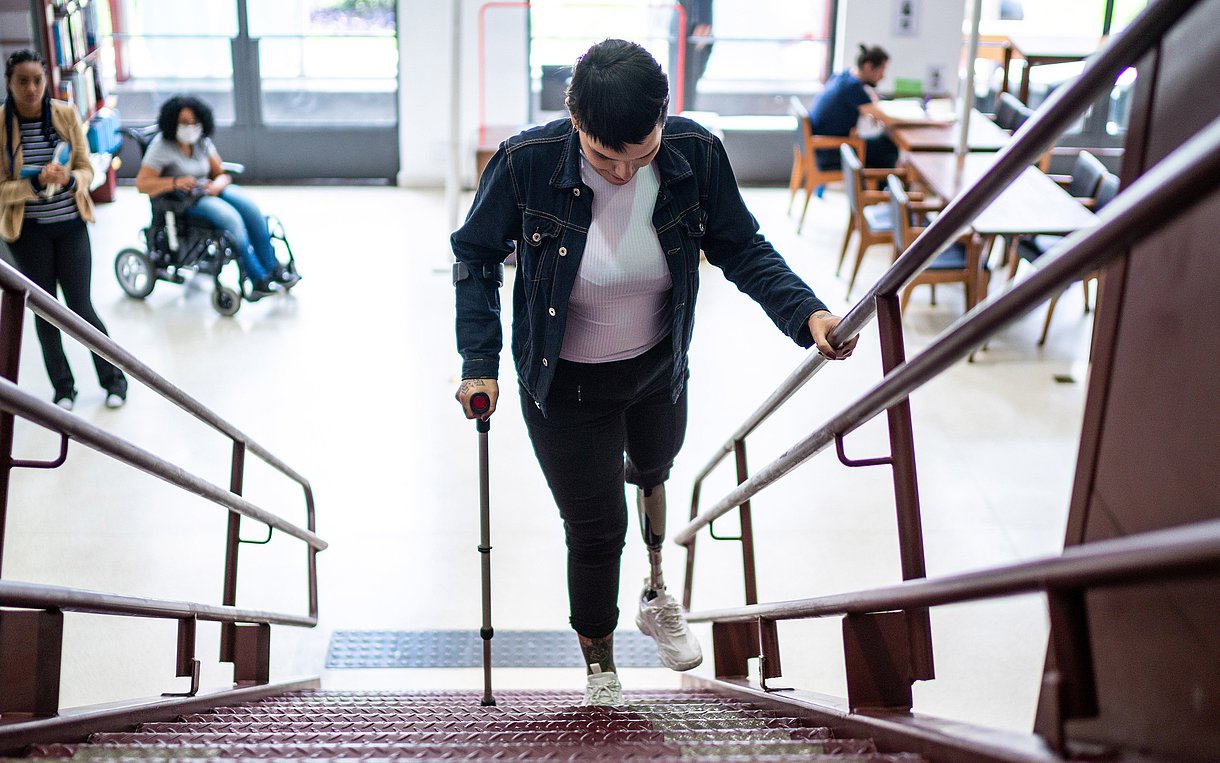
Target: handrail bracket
pixel 187 664
pixel 55 464
pixel 843 459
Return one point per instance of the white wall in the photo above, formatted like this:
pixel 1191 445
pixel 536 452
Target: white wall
pixel 426 82
pixel 938 42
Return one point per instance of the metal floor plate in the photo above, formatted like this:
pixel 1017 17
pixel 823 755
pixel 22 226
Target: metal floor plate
pixel 464 649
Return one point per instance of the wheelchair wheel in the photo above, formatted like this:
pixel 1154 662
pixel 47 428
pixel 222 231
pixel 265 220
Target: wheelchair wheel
pixel 134 270
pixel 226 300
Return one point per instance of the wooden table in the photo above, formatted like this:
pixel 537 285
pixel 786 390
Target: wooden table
pixel 910 112
pixel 1032 204
pixel 983 135
pixel 1042 49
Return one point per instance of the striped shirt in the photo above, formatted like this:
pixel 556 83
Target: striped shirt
pixel 37 151
pixel 619 306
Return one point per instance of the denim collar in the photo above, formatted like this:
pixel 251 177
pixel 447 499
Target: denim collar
pixel 671 163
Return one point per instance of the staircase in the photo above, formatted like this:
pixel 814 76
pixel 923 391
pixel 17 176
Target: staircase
pixel 688 726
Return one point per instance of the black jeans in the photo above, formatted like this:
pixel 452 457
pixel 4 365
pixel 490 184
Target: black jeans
pixel 596 413
pixel 58 254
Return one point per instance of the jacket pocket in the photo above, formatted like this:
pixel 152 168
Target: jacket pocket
pixel 536 258
pixel 694 223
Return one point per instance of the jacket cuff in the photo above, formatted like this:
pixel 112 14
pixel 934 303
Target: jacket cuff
pixel 798 329
pixel 35 184
pixel 481 368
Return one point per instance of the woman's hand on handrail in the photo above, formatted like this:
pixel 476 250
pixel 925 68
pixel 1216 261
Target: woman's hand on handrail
pixel 468 389
pixel 821 324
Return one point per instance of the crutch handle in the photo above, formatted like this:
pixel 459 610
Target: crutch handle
pixel 480 403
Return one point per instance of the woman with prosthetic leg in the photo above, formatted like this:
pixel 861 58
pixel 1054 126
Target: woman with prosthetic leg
pixel 608 211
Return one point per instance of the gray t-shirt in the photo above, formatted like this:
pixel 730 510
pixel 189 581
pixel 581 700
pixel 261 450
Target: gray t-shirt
pixel 166 157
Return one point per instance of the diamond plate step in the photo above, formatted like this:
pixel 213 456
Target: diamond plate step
pixel 464 649
pixel 464 722
pixel 659 726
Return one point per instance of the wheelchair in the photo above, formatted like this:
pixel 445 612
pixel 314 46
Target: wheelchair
pixel 177 247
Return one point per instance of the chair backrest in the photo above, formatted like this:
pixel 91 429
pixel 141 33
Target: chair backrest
pixel 1010 113
pixel 900 206
pixel 1006 110
pixel 143 136
pixel 1087 173
pixel 853 176
pixel 803 128
pixel 1106 191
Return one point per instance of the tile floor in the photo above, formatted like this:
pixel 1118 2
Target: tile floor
pixel 350 381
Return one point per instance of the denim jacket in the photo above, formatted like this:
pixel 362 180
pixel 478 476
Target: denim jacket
pixel 531 197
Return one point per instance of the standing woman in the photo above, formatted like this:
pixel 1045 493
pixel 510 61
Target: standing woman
pixel 44 205
pixel 608 212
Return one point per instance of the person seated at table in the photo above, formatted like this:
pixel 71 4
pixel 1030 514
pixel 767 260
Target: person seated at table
pixel 848 96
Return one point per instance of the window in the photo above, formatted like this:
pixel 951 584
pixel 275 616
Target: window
pixel 319 61
pixel 327 61
pixel 763 51
pixel 152 55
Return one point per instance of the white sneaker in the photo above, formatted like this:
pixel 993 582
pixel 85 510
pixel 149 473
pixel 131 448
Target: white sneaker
pixel 115 400
pixel 662 619
pixel 65 402
pixel 603 689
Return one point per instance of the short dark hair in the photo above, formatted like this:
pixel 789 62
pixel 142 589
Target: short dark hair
pixel 874 56
pixel 167 120
pixel 618 93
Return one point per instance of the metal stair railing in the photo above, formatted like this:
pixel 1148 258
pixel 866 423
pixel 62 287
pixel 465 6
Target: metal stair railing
pixel 1038 134
pixel 31 640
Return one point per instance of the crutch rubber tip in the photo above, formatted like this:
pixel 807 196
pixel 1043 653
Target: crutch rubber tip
pixel 488 702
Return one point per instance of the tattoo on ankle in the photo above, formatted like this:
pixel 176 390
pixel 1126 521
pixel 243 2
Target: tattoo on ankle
pixel 598 651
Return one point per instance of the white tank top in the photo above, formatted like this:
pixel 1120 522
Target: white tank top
pixel 619 304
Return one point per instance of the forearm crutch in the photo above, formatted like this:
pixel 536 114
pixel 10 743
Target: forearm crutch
pixel 480 403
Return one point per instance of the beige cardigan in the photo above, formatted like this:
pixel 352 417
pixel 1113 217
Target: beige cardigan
pixel 15 190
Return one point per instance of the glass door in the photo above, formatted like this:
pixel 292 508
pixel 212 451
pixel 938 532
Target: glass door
pixel 283 76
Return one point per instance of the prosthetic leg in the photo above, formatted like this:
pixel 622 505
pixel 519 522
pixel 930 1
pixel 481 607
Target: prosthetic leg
pixel 660 614
pixel 651 505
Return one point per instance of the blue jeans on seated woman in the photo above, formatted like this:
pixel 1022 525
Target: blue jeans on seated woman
pixel 235 212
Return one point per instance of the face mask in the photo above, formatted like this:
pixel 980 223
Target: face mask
pixel 190 133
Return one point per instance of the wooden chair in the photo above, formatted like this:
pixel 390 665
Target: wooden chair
pixel 805 172
pixel 1031 249
pixel 869 210
pixel 960 263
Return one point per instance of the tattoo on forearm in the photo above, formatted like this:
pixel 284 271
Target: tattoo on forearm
pixel 598 650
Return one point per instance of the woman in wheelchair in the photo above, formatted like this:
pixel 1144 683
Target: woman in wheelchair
pixel 182 159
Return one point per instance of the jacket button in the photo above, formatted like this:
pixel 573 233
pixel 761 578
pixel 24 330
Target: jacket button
pixel 575 191
pixel 563 251
pixel 536 237
pixel 551 310
pixel 544 362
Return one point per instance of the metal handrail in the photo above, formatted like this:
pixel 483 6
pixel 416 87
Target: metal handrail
pixel 40 596
pixel 1177 552
pixel 1060 110
pixel 1159 196
pixel 59 315
pixel 57 419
